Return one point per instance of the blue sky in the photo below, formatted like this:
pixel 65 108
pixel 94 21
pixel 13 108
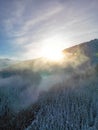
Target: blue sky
pixel 26 26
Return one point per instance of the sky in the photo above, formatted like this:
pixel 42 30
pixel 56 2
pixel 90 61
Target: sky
pixel 28 26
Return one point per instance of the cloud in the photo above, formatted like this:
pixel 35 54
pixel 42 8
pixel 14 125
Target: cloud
pixel 18 90
pixel 23 18
pixel 29 22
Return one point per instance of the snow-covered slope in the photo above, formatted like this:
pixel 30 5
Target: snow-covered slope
pixel 70 107
pixel 90 49
pixel 38 95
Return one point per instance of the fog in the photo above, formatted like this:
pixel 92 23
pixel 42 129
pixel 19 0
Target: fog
pixel 21 88
pixel 17 92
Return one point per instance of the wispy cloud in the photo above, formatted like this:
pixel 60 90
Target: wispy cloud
pixel 28 22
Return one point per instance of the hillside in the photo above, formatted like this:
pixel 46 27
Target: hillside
pixel 90 49
pixel 43 95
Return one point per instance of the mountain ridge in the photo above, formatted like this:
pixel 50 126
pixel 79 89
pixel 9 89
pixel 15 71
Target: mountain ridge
pixel 36 95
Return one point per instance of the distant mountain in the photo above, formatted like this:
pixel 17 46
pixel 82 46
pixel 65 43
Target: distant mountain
pixel 79 55
pixel 5 62
pixel 88 49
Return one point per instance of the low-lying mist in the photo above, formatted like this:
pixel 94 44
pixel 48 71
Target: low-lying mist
pixel 18 91
pixel 19 88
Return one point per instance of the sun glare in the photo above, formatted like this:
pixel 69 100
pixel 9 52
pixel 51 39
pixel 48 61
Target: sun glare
pixel 52 49
pixel 52 54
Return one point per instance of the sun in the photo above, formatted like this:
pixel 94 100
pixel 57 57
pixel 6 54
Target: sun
pixel 53 55
pixel 52 48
